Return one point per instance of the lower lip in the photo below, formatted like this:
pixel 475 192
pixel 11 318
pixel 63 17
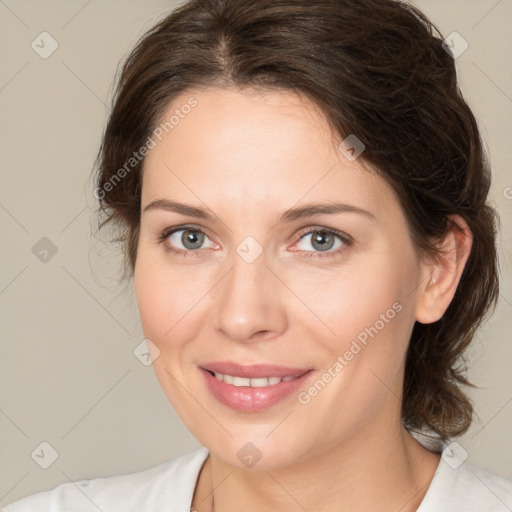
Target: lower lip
pixel 247 399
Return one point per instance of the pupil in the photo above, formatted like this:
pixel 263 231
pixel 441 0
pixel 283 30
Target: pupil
pixel 321 238
pixel 193 238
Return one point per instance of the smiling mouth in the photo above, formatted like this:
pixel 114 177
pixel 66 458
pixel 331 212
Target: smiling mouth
pixel 253 388
pixel 259 382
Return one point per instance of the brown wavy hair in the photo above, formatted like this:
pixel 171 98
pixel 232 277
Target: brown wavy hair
pixel 377 69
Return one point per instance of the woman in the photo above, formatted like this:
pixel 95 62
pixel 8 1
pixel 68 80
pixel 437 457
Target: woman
pixel 302 194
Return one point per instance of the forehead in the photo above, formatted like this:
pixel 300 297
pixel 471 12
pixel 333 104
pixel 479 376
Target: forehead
pixel 246 148
pixel 230 124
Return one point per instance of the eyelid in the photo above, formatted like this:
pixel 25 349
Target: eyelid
pixel 324 229
pixel 166 233
pixel 192 227
pixel 346 239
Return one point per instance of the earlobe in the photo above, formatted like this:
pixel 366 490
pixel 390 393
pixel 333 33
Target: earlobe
pixel 441 275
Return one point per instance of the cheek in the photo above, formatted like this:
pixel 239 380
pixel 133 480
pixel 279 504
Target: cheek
pixel 152 302
pixel 165 302
pixel 370 314
pixel 358 303
pixel 169 297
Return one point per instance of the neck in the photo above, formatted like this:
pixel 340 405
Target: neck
pixel 375 470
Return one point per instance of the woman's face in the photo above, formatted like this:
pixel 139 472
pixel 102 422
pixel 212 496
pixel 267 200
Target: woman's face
pixel 250 285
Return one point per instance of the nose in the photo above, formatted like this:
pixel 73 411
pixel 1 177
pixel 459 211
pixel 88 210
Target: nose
pixel 247 305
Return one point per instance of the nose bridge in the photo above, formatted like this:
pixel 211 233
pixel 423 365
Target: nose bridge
pixel 247 306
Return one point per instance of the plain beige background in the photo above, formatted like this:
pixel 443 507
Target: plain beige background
pixel 69 376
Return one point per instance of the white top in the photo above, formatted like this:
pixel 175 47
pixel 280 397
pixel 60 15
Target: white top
pixel 169 487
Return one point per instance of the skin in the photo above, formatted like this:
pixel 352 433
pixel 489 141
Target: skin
pixel 247 157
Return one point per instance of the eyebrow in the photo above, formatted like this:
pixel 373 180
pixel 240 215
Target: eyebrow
pixel 289 215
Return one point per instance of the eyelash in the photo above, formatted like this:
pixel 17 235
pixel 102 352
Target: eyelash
pixel 347 241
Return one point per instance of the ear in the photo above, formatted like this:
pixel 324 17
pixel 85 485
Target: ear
pixel 441 274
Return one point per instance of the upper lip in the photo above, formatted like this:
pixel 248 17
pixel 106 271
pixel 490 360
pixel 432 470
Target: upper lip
pixel 252 371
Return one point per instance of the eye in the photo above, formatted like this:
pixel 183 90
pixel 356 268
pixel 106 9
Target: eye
pixel 324 240
pixel 189 240
pixel 185 239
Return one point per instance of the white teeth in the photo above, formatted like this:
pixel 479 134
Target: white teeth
pixel 228 379
pixel 253 383
pixel 260 383
pixel 240 381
